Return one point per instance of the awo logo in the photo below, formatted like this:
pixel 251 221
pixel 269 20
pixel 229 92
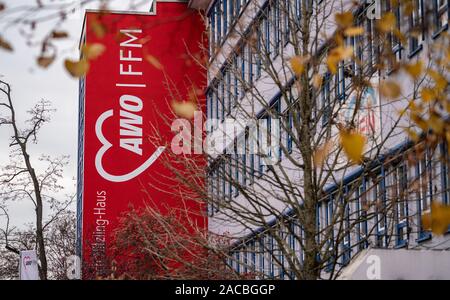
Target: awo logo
pixel 130 138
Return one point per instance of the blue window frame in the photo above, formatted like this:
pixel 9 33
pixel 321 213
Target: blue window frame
pixel 244 160
pixel 340 82
pixel 267 32
pixel 231 11
pixel 270 256
pixel 229 176
pixel 223 180
pixel 236 79
pixel 298 10
pixel 346 243
pixel 262 254
pixel 330 241
pixel 208 107
pixel 259 147
pixel 252 245
pixel 236 168
pixel 401 209
pixel 286 22
pixel 228 91
pixel 215 108
pixel 259 44
pixel 213 32
pixel 250 64
pixel 361 208
pixel 396 45
pixel 290 128
pixel 379 191
pixel 424 193
pixel 276 21
pixel 243 62
pixel 222 100
pixel 238 261
pixel 326 99
pixel 218 11
pixel 225 17
pixel 237 7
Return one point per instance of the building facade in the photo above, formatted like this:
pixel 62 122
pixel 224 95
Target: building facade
pixel 251 75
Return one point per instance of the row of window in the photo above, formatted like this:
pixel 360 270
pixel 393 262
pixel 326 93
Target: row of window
pixel 396 193
pixel 222 16
pixel 245 65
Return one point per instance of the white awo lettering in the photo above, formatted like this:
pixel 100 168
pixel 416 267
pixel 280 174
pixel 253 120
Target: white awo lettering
pixel 131 124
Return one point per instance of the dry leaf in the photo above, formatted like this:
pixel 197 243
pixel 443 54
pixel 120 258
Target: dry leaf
pixel 317 81
pixel 77 68
pixel 387 22
pixel 45 61
pixel 427 94
pixel 59 34
pixel 154 61
pixel 93 51
pixel 98 28
pixel 440 81
pixel 353 144
pixel 390 89
pixel 5 45
pixel 336 55
pixel 184 109
pixel 2 6
pixel 344 19
pixel 298 64
pixel 438 220
pixel 321 154
pixel 354 31
pixel 414 70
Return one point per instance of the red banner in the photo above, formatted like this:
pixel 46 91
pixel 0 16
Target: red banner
pixel 128 94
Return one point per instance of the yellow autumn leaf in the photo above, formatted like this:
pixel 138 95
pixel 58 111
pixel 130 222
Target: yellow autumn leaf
pixel 317 81
pixel 414 70
pixel 387 22
pixel 438 220
pixel 439 80
pixel 336 55
pixel 93 51
pixel 321 154
pixel 77 68
pixel 427 94
pixel 354 31
pixel 184 109
pixel 344 19
pixel 436 123
pixel 98 28
pixel 447 137
pixel 298 64
pixel 390 89
pixel 5 45
pixel 353 144
pixel 45 61
pixel 153 61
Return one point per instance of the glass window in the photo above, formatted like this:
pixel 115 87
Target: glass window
pixel 441 13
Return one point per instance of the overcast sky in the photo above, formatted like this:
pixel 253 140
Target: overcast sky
pixel 30 83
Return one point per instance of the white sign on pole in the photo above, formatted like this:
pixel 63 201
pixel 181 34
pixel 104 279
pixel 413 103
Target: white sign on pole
pixel 28 268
